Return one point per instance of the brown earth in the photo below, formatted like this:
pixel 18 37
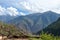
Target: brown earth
pixel 15 39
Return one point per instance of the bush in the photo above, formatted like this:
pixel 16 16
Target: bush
pixel 45 36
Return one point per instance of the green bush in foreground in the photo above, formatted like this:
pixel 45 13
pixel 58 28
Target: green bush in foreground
pixel 45 36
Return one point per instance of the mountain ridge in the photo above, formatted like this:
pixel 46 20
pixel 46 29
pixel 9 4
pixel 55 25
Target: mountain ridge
pixel 34 23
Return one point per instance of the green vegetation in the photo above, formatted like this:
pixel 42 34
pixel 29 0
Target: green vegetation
pixel 53 28
pixel 45 36
pixel 9 30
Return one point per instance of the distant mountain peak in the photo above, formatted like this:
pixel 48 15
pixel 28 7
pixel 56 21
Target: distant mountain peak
pixel 49 12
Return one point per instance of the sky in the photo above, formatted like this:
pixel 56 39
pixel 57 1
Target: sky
pixel 24 7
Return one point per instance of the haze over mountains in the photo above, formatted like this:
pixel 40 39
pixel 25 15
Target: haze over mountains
pixel 5 18
pixel 35 22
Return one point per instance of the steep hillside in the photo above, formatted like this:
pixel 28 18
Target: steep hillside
pixel 53 28
pixel 10 30
pixel 34 22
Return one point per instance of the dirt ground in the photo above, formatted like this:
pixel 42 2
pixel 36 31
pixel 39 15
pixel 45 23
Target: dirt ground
pixel 17 39
pixel 14 39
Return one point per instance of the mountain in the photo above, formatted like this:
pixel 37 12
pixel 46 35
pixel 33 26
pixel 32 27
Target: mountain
pixel 53 28
pixel 6 18
pixel 35 22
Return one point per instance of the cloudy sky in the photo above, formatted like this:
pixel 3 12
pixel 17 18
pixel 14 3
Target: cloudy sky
pixel 24 7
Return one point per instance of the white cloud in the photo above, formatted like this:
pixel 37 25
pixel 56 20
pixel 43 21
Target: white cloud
pixel 40 5
pixel 10 11
pixel 56 10
pixel 26 5
pixel 33 5
pixel 2 10
pixel 22 13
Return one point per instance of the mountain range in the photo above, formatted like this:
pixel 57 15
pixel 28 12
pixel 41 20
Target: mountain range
pixel 34 22
pixel 5 18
